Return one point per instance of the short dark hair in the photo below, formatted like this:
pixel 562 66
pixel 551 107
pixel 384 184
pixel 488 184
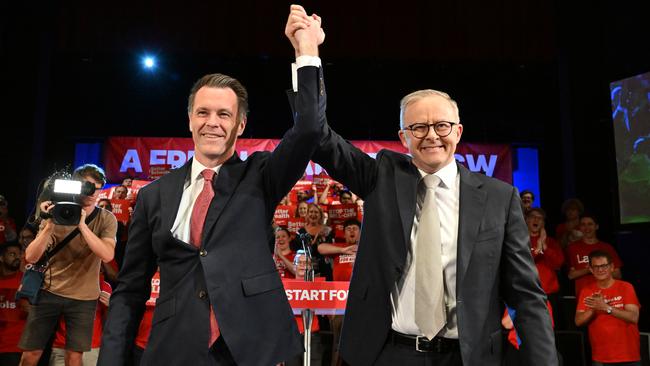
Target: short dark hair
pixel 526 191
pixel 589 215
pixel 350 222
pixel 600 254
pixel 109 206
pixel 224 82
pixel 90 170
pixel 9 244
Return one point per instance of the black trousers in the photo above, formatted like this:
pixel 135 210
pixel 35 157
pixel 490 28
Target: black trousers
pixel 396 354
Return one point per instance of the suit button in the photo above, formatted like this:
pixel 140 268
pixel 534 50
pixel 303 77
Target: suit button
pixel 203 253
pixel 203 294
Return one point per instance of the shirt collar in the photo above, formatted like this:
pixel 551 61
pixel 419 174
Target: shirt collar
pixel 197 168
pixel 447 174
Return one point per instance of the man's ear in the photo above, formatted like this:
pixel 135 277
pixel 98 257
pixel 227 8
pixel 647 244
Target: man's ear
pixel 403 138
pixel 242 126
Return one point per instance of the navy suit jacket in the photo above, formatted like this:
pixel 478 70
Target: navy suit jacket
pixel 233 270
pixel 494 264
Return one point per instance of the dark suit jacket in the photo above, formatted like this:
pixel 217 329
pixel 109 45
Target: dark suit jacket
pixel 494 264
pixel 233 270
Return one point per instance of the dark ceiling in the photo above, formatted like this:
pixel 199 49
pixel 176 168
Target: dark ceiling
pixel 526 72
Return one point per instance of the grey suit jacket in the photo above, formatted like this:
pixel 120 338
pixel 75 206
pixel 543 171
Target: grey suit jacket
pixel 494 264
pixel 233 271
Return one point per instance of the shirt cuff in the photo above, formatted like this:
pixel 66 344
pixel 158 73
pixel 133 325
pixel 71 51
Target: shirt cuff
pixel 300 62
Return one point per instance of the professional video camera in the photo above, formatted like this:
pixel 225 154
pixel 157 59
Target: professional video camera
pixel 67 196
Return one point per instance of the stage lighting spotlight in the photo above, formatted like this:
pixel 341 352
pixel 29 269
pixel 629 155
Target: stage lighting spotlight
pixel 149 62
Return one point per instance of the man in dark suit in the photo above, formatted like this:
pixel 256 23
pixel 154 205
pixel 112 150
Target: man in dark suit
pixel 435 298
pixel 221 300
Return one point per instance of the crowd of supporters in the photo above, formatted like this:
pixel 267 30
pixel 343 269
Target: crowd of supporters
pixel 319 216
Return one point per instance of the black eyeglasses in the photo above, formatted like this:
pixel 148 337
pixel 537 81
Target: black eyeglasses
pixel 421 130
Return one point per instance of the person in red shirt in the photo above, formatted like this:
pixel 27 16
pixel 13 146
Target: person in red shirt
pixel 610 308
pixel 13 314
pixel 344 255
pixel 567 231
pixel 144 330
pixel 283 255
pixel 546 252
pixel 578 254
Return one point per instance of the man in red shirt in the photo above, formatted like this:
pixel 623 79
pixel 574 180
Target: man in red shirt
pixel 344 255
pixel 12 313
pixel 578 254
pixel 611 310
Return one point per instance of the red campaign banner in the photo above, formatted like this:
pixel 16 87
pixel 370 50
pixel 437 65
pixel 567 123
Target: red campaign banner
pixel 294 224
pixel 105 193
pixel 282 214
pixel 157 171
pixel 121 210
pixel 135 188
pixel 324 297
pixel 338 214
pixel 133 156
pixel 320 181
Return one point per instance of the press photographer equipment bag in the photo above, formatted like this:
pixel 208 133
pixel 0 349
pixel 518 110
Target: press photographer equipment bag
pixel 34 275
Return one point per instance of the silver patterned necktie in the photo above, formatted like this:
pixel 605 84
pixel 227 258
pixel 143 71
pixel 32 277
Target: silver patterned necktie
pixel 430 313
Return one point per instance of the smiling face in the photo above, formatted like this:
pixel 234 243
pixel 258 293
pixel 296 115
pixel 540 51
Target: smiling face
pixel 215 125
pixel 432 152
pixel 314 215
pixel 282 239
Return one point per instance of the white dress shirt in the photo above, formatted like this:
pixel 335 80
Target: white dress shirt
pixel 403 295
pixel 191 190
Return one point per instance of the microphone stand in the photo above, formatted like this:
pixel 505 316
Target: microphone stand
pixel 307 314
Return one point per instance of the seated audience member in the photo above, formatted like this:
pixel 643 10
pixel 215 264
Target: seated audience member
pixel 7 224
pixel 313 234
pixel 568 231
pixel 105 203
pixel 546 252
pixel 57 357
pixel 12 313
pixel 610 308
pixel 120 193
pixel 578 254
pixel 527 199
pixel 127 182
pixel 283 255
pixel 343 255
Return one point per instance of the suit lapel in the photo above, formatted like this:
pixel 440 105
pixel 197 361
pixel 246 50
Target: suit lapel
pixel 472 208
pixel 172 187
pixel 406 182
pixel 229 177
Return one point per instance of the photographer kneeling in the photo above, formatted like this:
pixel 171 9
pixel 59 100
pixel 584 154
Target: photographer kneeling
pixel 71 283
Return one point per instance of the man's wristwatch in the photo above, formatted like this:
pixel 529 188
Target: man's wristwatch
pixel 609 310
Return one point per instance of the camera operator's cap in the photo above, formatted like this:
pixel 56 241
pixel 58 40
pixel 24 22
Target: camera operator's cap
pixel 3 201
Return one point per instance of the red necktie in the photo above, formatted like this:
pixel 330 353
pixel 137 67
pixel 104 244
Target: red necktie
pixel 197 220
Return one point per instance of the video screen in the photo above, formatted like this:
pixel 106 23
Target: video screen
pixel 631 116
